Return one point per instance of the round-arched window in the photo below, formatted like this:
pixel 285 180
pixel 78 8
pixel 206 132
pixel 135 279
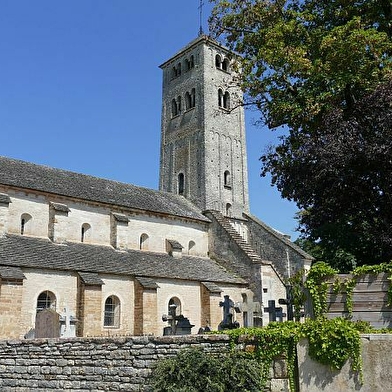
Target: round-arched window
pixel 112 312
pixel 46 300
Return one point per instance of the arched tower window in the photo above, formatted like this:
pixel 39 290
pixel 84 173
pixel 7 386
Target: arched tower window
pixel 112 312
pixel 46 300
pixel 143 242
pixel 218 61
pixel 220 98
pixel 226 100
pixel 227 179
pixel 174 306
pixel 188 104
pixel 228 209
pixel 223 99
pixel 85 232
pixel 25 224
pixel 192 61
pixel 193 98
pixel 179 104
pixel 174 108
pixel 225 65
pixel 190 99
pixel 181 183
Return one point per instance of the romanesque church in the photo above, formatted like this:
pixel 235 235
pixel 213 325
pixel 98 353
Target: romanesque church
pixel 110 258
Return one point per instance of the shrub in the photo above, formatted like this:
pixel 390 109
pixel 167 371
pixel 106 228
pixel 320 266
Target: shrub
pixel 194 370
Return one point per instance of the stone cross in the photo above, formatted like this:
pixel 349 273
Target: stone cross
pixel 228 305
pixel 67 329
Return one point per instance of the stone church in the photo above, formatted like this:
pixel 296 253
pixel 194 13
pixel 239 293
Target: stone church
pixel 109 258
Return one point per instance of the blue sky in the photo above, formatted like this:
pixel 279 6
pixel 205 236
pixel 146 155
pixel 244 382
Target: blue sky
pixel 80 89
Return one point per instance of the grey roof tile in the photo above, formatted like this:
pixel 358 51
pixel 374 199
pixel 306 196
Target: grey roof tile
pixel 175 244
pixel 4 198
pixel 81 186
pixel 90 278
pixel 60 207
pixel 11 273
pixel 31 252
pixel 120 217
pixel 212 287
pixel 147 283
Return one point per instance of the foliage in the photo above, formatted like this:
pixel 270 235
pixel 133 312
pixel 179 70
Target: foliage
pixel 193 370
pixel 342 172
pixel 317 284
pixel 273 341
pixel 297 293
pixel 333 342
pixel 322 69
pixel 335 257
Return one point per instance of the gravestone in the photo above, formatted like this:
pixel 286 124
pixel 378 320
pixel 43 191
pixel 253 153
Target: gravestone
pixel 47 324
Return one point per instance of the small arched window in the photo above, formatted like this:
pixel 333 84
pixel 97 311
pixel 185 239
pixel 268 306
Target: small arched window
pixel 181 183
pixel 226 100
pixel 112 312
pixel 25 224
pixel 228 209
pixel 223 99
pixel 179 69
pixel 225 65
pixel 85 232
pixel 192 61
pixel 188 101
pixel 191 246
pixel 179 104
pixel 174 108
pixel 220 98
pixel 227 179
pixel 46 300
pixel 143 242
pixel 193 98
pixel 174 307
pixel 218 61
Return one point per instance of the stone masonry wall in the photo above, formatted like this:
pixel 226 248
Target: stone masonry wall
pixel 99 364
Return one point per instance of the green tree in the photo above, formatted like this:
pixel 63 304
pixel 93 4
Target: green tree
pixel 321 69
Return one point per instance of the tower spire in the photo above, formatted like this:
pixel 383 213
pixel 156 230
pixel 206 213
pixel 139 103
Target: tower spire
pixel 201 17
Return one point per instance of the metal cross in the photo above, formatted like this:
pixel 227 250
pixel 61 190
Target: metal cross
pixel 201 17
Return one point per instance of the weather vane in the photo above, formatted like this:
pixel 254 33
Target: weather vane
pixel 201 17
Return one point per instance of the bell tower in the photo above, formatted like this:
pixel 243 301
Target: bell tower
pixel 203 148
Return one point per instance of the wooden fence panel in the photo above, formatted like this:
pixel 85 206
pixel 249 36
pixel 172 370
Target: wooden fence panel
pixel 370 301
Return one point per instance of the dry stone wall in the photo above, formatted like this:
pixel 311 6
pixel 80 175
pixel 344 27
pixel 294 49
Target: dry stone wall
pixel 100 364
